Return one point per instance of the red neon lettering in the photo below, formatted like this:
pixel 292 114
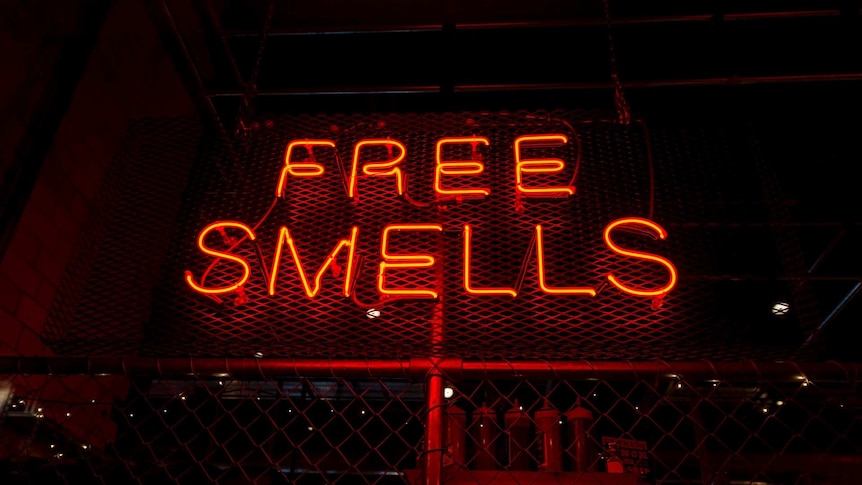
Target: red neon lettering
pixel 246 271
pixel 401 261
pixel 378 169
pixel 479 291
pixel 308 168
pixel 573 290
pixel 284 236
pixel 458 167
pixel 662 234
pixel 540 165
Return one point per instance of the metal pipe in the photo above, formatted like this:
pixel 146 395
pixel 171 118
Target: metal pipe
pixel 828 250
pixel 332 91
pixel 187 57
pixel 418 368
pixel 687 370
pixel 853 293
pixel 573 22
pixel 596 85
pixel 666 83
pixel 211 20
pixel 752 277
pixel 183 60
pixel 756 224
pixel 434 441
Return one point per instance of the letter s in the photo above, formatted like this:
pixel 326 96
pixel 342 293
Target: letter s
pixel 662 234
pixel 246 270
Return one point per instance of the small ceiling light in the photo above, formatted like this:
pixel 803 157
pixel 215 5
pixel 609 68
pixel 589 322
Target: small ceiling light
pixel 68 414
pixel 258 355
pixel 780 308
pixel 362 412
pixel 779 403
pixel 372 313
pixel 448 392
pixel 84 447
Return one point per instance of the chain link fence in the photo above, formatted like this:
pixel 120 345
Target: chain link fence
pixel 538 389
pixel 374 421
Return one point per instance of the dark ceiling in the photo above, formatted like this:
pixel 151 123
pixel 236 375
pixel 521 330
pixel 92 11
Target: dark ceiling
pixel 788 71
pixel 391 55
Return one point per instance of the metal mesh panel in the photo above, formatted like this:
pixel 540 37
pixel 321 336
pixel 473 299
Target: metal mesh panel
pixel 337 420
pixel 618 174
pixel 105 297
pixel 697 182
pixel 674 423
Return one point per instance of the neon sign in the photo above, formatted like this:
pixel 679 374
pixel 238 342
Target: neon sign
pixel 531 167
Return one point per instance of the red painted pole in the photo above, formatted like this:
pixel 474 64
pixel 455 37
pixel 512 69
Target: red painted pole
pixel 434 441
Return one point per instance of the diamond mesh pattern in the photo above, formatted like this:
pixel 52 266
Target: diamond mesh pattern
pixel 696 182
pixel 230 429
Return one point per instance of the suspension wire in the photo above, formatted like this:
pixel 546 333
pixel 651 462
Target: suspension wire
pixel 250 88
pixel 622 106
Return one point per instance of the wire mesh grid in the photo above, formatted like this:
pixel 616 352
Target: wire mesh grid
pixel 337 420
pixel 696 182
pixel 655 423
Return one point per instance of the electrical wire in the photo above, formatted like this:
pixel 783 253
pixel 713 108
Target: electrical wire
pixel 239 241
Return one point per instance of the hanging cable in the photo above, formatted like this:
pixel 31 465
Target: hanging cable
pixel 622 106
pixel 250 91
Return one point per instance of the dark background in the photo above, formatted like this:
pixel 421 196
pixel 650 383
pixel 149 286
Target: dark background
pixel 760 98
pixel 113 115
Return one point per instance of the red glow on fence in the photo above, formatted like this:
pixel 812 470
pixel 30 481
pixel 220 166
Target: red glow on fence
pixel 301 169
pixel 458 167
pixel 467 286
pixel 539 165
pixel 662 234
pixel 246 270
pixel 311 292
pixel 540 257
pixel 380 168
pixel 402 261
